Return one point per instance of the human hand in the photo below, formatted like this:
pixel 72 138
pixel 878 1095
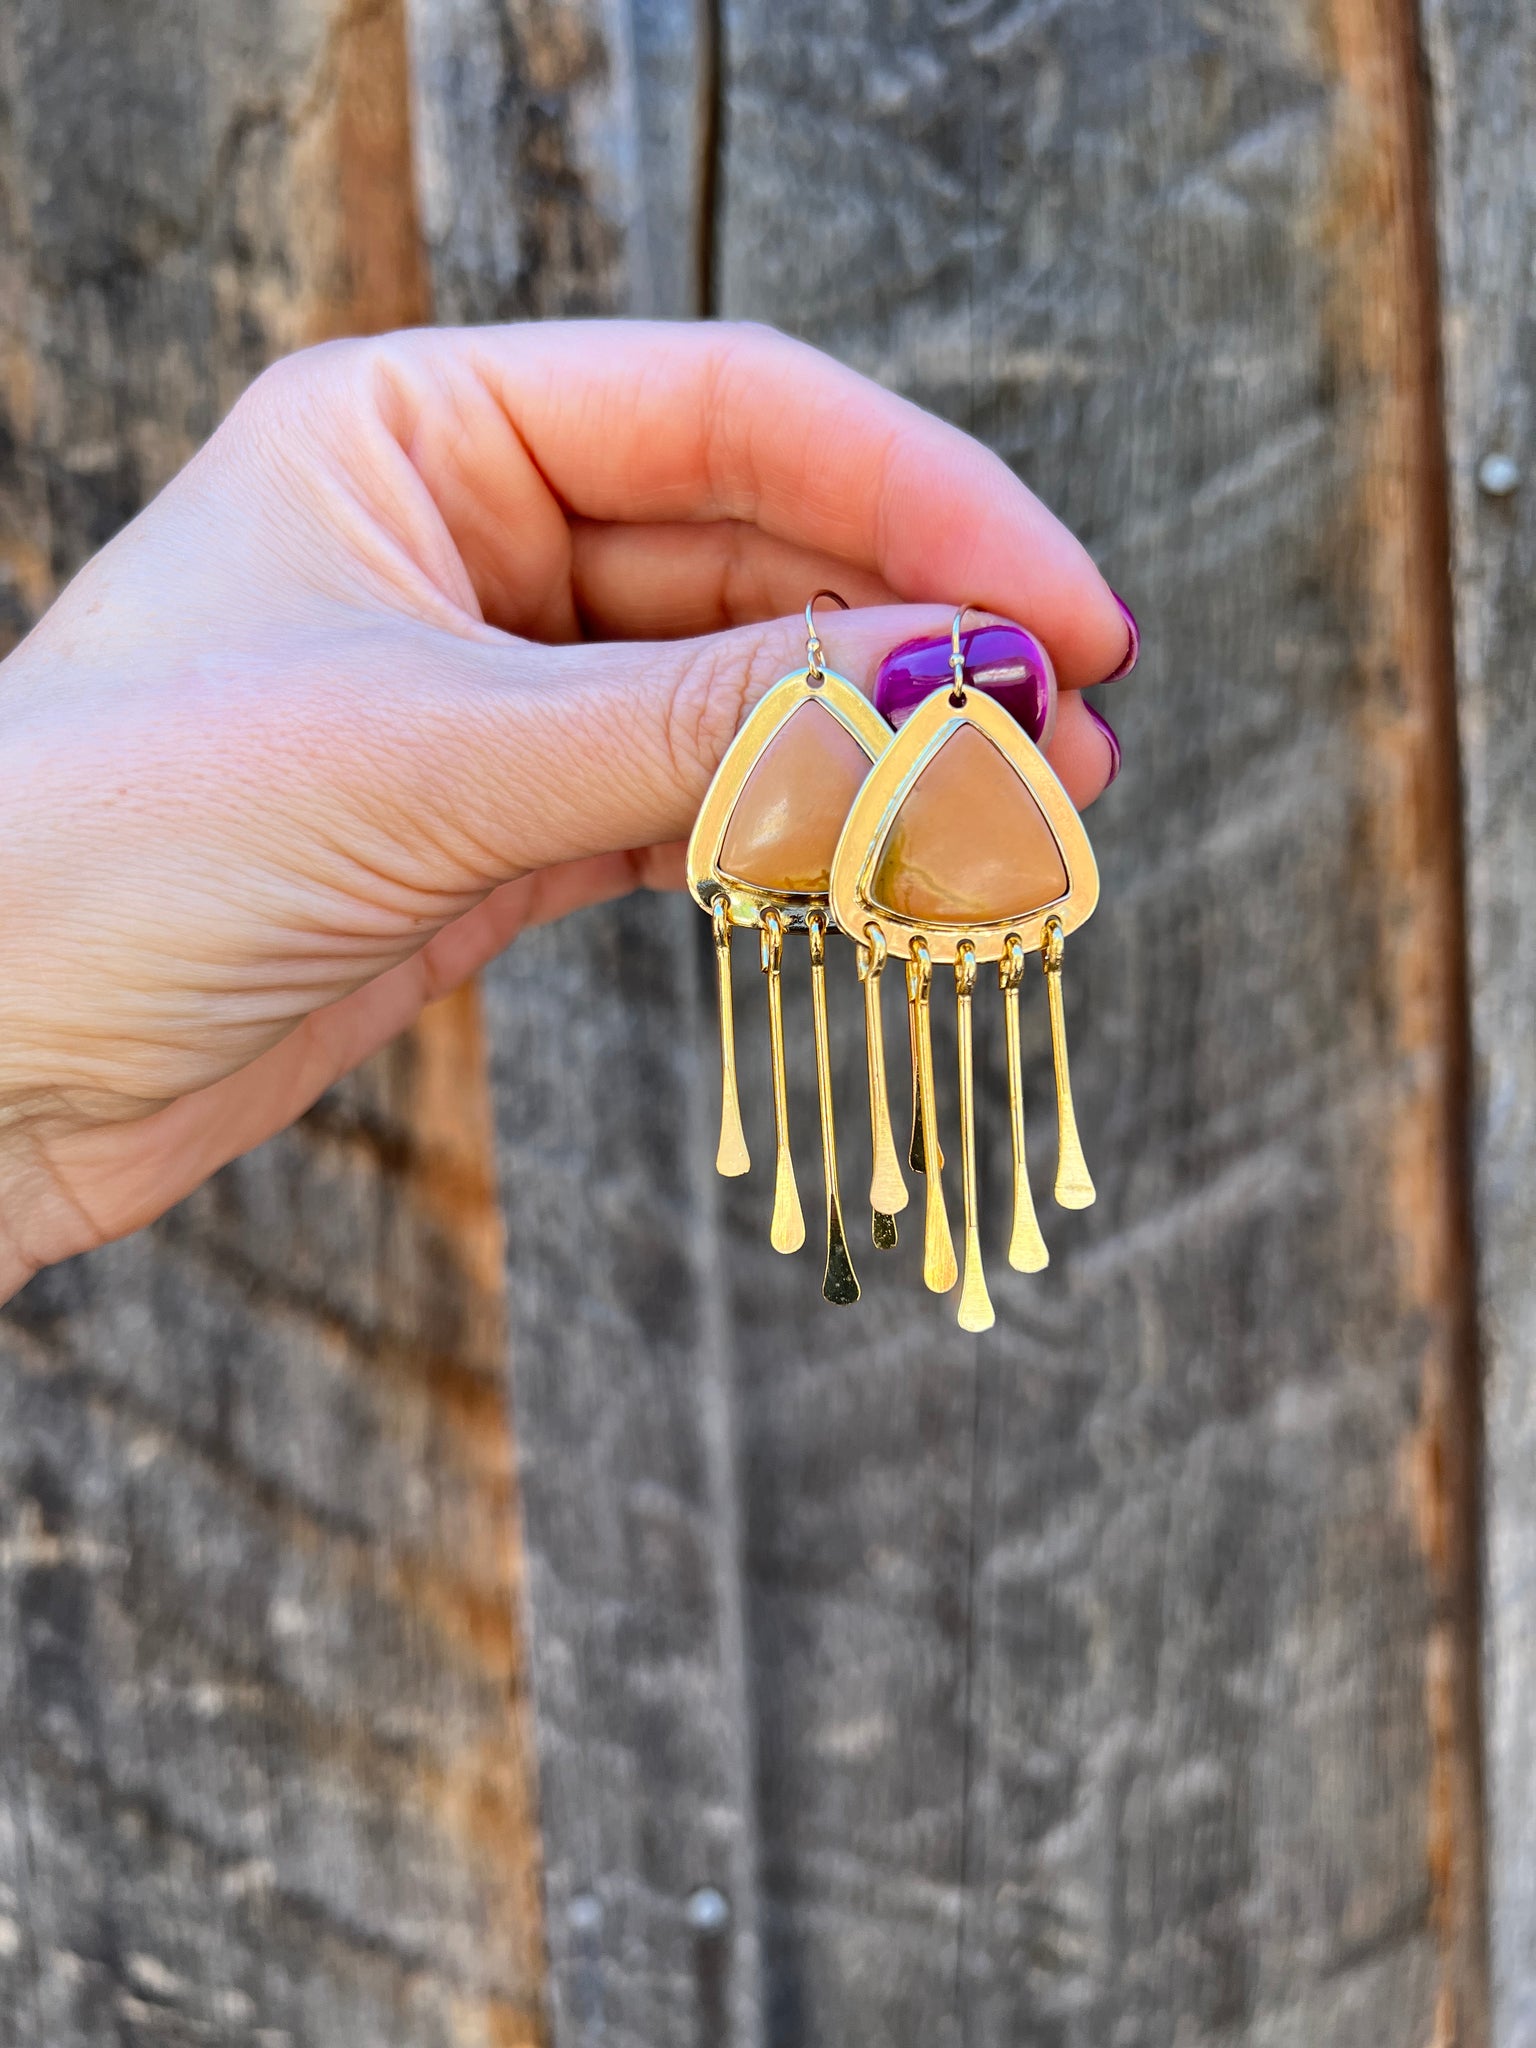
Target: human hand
pixel 440 636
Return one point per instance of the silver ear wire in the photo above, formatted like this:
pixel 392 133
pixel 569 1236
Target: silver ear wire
pixel 956 658
pixel 815 653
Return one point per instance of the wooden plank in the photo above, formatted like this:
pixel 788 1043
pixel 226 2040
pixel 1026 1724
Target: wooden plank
pixel 531 138
pixel 1482 57
pixel 1110 1678
pixel 625 1441
pixel 561 150
pixel 264 1774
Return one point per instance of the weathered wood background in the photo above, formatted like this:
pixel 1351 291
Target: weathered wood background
pixel 1152 1673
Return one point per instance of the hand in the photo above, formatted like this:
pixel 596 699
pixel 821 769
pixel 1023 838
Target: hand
pixel 442 635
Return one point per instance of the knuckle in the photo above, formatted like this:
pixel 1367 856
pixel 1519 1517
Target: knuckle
pixel 292 378
pixel 716 685
pixel 704 709
pixel 287 404
pixel 334 380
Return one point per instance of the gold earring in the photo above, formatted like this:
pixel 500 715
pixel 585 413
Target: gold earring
pixel 963 849
pixel 760 858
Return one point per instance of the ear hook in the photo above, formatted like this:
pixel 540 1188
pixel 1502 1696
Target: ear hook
pixel 814 651
pixel 956 658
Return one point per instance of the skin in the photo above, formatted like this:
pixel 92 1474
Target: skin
pixel 441 636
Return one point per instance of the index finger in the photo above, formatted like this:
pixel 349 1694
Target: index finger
pixel 638 422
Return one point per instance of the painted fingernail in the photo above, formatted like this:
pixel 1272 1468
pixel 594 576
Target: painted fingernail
pixel 1001 659
pixel 1133 648
pixel 1109 733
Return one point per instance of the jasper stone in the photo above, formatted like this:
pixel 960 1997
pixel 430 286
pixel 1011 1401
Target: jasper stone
pixel 969 845
pixel 1002 660
pixel 784 828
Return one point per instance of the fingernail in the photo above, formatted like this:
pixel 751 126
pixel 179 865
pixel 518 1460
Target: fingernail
pixel 1133 649
pixel 1000 659
pixel 1109 733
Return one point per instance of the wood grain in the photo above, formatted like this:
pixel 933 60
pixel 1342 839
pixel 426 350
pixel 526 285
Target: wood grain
pixel 265 1775
pixel 1111 1680
pixel 1482 59
pixel 1109 1677
pixel 531 150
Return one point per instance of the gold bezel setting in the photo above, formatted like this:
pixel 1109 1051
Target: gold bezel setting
pixel 853 711
pixel 936 720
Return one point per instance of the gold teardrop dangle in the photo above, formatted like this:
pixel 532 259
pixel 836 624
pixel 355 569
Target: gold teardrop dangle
pixel 840 1284
pixel 887 1189
pixel 940 1272
pixel 1026 1247
pixel 1074 1183
pixel 975 1302
pixel 917 1151
pixel 787 1232
pixel 731 1156
pixel 925 1143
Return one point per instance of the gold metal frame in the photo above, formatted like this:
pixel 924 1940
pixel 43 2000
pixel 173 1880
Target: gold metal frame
pixel 853 711
pixel 886 787
pixel 963 943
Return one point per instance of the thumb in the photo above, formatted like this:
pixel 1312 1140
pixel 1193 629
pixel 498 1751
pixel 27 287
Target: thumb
pixel 551 754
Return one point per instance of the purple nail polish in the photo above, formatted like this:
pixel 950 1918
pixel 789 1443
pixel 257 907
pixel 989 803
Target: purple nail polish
pixel 1002 659
pixel 1109 733
pixel 1133 649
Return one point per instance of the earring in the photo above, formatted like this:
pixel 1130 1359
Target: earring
pixel 760 858
pixel 963 849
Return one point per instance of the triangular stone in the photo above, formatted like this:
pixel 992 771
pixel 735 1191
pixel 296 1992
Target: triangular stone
pixel 969 845
pixel 785 823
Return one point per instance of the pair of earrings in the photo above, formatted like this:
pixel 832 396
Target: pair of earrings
pixel 947 843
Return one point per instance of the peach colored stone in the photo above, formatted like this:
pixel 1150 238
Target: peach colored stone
pixel 783 829
pixel 970 845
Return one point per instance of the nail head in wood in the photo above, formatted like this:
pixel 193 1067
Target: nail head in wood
pixel 708 1911
pixel 1498 476
pixel 584 1913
